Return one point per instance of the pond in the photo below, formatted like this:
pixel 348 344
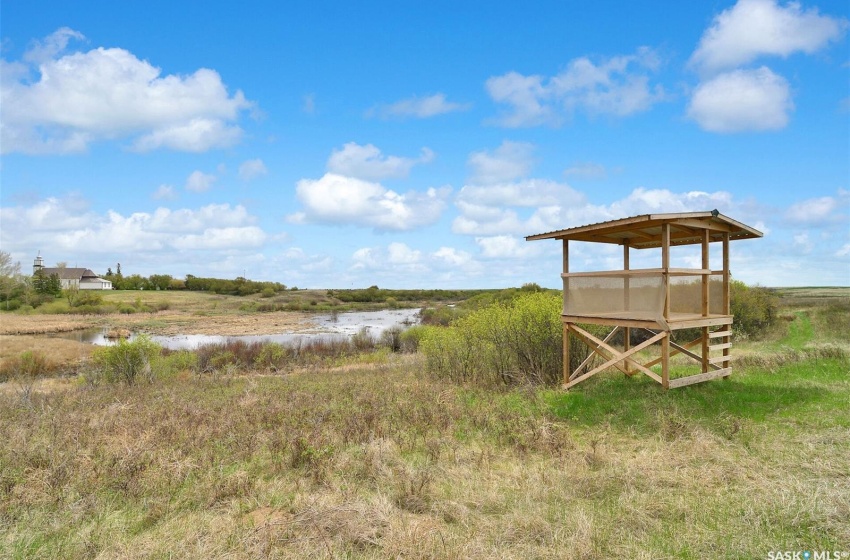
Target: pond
pixel 327 327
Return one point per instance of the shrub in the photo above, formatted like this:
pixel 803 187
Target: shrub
pixel 391 338
pixel 363 340
pixel 508 343
pixel 175 361
pixel 126 361
pixel 411 338
pixel 442 315
pixel 754 309
pixel 272 357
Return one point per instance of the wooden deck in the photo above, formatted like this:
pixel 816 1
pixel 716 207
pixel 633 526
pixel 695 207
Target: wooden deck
pixel 675 321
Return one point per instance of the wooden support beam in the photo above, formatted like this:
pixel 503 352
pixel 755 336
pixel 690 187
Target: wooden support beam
pixel 678 348
pixel 719 359
pixel 627 304
pixel 618 356
pixel 727 301
pixel 593 352
pixel 700 377
pixel 705 299
pixel 715 334
pixel 665 362
pixel 665 265
pixel 566 352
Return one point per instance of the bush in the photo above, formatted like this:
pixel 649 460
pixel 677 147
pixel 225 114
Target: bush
pixel 754 309
pixel 272 357
pixel 125 361
pixel 11 305
pixel 411 338
pixel 507 343
pixel 442 315
pixel 391 338
pixel 363 340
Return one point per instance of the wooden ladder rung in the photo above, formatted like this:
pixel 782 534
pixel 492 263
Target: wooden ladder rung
pixel 720 346
pixel 716 334
pixel 719 359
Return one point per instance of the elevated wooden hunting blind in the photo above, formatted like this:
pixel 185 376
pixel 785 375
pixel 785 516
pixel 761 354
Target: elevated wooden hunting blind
pixel 658 300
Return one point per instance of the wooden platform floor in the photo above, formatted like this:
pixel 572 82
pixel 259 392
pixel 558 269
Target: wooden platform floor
pixel 650 320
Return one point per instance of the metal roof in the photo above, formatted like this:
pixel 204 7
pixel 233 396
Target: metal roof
pixel 644 232
pixel 65 273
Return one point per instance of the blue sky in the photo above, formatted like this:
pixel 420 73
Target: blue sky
pixel 329 144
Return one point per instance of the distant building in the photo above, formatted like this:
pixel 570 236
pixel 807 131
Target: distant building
pixel 81 278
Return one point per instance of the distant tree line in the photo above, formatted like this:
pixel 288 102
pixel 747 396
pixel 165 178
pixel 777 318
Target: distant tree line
pixel 238 287
pixel 374 294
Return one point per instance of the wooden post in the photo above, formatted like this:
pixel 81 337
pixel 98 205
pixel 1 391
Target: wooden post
pixel 566 353
pixel 727 302
pixel 665 267
pixel 565 264
pixel 727 297
pixel 665 278
pixel 627 331
pixel 706 304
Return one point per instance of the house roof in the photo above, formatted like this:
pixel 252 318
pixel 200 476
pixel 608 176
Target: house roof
pixel 643 232
pixel 70 273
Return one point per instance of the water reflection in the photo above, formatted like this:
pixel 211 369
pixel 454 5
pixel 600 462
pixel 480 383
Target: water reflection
pixel 328 327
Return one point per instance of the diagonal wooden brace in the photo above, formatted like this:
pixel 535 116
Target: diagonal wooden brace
pixel 593 352
pixel 617 356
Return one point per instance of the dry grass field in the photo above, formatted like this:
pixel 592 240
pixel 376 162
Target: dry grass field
pixel 376 459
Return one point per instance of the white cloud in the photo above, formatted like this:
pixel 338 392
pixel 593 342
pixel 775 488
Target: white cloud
pixel 107 94
pixel 452 257
pixel 67 226
pixel 165 192
pixel 530 192
pixel 506 247
pixel 843 251
pixel 742 100
pixel 418 107
pixel 368 163
pixel 511 160
pixel 197 135
pixel 820 211
pixel 198 181
pixel 586 170
pixel 399 253
pixel 617 86
pixel 252 169
pixel 494 209
pixel 753 28
pixel 347 200
pixel 547 205
pixel 221 238
pixel 396 259
pixel 802 243
pixel 52 45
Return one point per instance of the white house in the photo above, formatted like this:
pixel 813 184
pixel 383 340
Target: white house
pixel 80 278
